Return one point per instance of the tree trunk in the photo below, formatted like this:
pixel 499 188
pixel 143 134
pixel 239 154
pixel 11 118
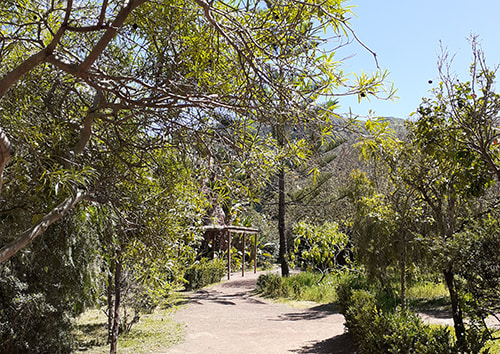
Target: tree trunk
pixel 403 272
pixel 458 320
pixel 281 223
pixel 110 304
pixel 116 313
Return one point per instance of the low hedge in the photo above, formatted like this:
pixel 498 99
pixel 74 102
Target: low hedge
pixel 204 273
pixel 395 331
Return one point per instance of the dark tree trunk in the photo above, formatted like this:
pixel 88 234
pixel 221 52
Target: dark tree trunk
pixel 116 313
pixel 458 319
pixel 281 223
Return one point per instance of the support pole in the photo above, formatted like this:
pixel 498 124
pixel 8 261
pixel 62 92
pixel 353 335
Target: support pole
pixel 229 255
pixel 243 258
pixel 214 233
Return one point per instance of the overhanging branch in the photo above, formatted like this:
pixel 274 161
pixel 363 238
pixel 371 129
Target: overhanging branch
pixel 29 235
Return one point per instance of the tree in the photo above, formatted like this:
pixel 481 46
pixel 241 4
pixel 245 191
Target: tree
pixel 388 207
pixel 443 181
pixel 112 52
pixel 319 247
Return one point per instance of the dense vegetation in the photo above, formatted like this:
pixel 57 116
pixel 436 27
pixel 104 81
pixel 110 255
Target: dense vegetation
pixel 126 127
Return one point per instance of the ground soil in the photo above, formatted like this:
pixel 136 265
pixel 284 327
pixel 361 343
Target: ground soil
pixel 230 318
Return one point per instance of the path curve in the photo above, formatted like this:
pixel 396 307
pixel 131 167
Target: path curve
pixel 229 318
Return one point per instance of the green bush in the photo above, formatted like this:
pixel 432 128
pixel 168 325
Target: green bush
pixel 203 273
pixel 395 331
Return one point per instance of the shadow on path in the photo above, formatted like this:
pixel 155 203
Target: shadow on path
pixel 207 296
pixel 313 313
pixel 341 344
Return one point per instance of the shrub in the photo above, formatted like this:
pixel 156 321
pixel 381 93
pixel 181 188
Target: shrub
pixel 204 273
pixel 396 331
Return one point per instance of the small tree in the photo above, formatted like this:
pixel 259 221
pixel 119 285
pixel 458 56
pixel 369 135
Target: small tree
pixel 320 247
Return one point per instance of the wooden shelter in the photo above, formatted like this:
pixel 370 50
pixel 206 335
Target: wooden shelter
pixel 236 230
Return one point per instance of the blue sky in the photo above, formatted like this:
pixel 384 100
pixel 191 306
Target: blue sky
pixel 405 34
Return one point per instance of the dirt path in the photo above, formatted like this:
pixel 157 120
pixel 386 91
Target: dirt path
pixel 228 318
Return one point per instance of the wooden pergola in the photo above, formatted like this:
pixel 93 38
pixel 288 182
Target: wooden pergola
pixel 237 230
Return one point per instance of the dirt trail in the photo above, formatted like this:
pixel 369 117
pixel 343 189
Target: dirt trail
pixel 228 318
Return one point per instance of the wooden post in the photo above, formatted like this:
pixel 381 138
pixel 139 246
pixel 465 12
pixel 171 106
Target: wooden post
pixel 243 260
pixel 229 255
pixel 213 243
pixel 255 253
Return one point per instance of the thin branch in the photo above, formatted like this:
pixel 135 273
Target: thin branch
pixel 36 59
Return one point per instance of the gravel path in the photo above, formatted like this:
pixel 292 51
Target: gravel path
pixel 228 318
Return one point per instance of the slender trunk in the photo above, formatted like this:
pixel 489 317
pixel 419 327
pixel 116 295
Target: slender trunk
pixel 280 137
pixel 281 223
pixel 458 319
pixel 110 304
pixel 116 313
pixel 403 272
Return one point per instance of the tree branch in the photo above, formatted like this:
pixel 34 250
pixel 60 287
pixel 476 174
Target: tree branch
pixel 29 235
pixel 36 59
pixel 109 34
pixel 5 153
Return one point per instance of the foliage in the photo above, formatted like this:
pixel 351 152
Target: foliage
pixel 377 331
pixel 42 290
pixel 476 251
pixel 319 248
pixel 106 98
pixel 471 107
pixel 438 188
pixel 203 273
pixel 303 286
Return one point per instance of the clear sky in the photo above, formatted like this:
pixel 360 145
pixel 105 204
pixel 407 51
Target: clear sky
pixel 405 34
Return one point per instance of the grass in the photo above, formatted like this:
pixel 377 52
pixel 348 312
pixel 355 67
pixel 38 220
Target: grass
pixel 305 286
pixel 493 345
pixel 154 331
pixel 428 295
